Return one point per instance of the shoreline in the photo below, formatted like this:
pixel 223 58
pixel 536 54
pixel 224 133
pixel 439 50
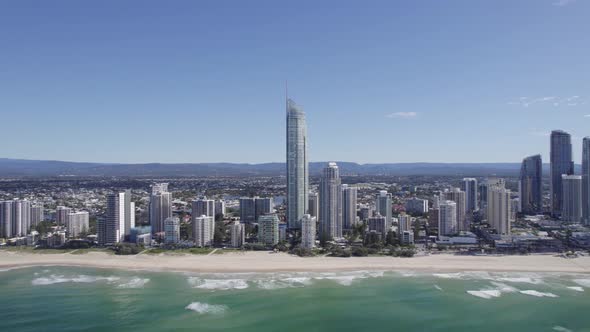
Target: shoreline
pixel 264 262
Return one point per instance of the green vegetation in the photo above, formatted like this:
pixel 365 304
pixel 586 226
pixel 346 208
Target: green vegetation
pixel 183 251
pixel 44 227
pixel 127 249
pixel 89 250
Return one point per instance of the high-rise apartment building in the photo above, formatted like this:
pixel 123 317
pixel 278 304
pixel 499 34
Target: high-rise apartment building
pixel 268 229
pixel 499 206
pixel 470 188
pixel 172 230
pixel 308 231
pixel 561 163
pixel 203 230
pixel 77 223
pixel 237 231
pixel 160 207
pixel 458 196
pixel 118 220
pixel 447 218
pixel 383 206
pixel 530 185
pixel 204 207
pixel 349 201
pixel 330 202
pixel 571 207
pixel 314 204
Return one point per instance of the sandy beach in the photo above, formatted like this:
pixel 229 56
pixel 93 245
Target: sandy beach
pixel 278 262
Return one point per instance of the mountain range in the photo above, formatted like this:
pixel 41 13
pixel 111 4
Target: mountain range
pixel 33 168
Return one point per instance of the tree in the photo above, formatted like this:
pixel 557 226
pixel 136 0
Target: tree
pixel 220 233
pixel 360 252
pixel 185 231
pixel 391 239
pixel 44 227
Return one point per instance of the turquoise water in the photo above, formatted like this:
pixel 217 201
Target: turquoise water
pixel 80 299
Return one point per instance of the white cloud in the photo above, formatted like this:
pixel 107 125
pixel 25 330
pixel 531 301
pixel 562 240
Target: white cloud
pixel 548 100
pixel 403 115
pixel 561 3
pixel 587 116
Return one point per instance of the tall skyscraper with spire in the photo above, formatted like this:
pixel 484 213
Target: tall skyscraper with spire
pixel 561 163
pixel 530 185
pixel 586 179
pixel 297 165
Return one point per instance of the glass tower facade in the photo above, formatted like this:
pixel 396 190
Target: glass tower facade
pixel 297 165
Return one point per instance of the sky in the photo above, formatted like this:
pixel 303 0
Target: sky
pixel 204 81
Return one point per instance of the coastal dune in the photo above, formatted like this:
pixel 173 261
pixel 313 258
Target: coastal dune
pixel 280 262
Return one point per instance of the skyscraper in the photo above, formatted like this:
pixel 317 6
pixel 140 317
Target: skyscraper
pixel 114 220
pixel 220 207
pixel 417 206
pixel 586 179
pixel 37 214
pixel 237 231
pixel 458 196
pixel 470 189
pixel 6 219
pixel 447 218
pixel 530 185
pixel 172 230
pixel 268 229
pixel 561 163
pixel 330 202
pixel 314 204
pixel 203 230
pixel 297 165
pixel 499 206
pixel 77 223
pixel 204 207
pixel 264 205
pixel 349 200
pixel 61 215
pixel 571 207
pixel 308 231
pixel 251 208
pixel 160 206
pixel 383 206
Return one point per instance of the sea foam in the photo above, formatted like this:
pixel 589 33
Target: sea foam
pixel 204 308
pixel 561 329
pixel 576 288
pixel 486 294
pixel 218 284
pixel 537 293
pixel 134 283
pixel 58 279
pixel 583 282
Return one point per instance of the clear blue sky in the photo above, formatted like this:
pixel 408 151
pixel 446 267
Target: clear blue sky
pixel 380 81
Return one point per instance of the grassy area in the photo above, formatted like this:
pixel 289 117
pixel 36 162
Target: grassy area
pixel 188 251
pixel 88 250
pixel 31 250
pixel 227 251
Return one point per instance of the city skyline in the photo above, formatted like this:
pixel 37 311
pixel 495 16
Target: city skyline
pixel 162 66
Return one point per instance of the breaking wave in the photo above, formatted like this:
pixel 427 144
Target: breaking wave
pixel 134 283
pixel 59 279
pixel 204 308
pixel 537 293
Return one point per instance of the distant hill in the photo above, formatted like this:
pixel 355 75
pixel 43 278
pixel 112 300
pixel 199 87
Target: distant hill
pixel 22 167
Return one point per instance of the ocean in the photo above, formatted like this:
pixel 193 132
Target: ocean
pixel 82 299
